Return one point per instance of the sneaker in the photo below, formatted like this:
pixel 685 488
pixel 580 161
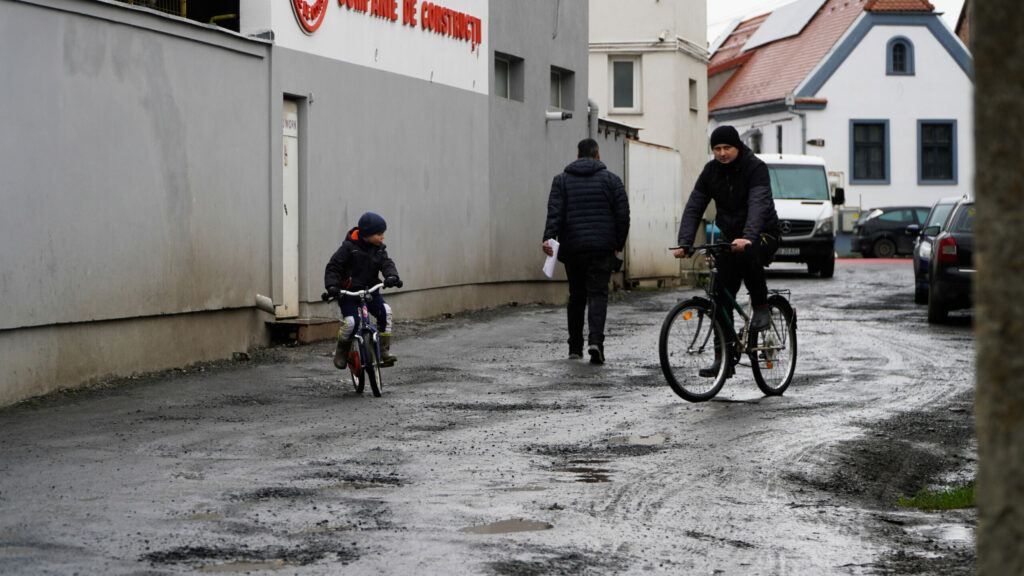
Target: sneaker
pixel 596 352
pixel 762 318
pixel 575 355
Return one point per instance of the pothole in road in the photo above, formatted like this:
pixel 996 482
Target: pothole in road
pixel 587 473
pixel 508 526
pixel 246 566
pixel 652 440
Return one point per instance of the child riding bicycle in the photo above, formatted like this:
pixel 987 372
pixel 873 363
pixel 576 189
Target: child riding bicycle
pixel 357 265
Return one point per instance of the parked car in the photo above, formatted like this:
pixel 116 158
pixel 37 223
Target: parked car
pixel 951 267
pixel 923 244
pixel 882 232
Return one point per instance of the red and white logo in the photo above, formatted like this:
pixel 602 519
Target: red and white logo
pixel 309 13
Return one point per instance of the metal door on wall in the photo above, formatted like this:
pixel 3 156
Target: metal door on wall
pixel 289 307
pixel 654 176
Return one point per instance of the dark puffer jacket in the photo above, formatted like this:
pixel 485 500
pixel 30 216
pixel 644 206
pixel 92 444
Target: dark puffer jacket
pixel 588 210
pixel 356 264
pixel 742 192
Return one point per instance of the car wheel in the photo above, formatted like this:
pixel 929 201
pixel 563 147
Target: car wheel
pixel 937 310
pixel 884 248
pixel 827 266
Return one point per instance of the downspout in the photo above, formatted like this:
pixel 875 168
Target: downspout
pixel 791 106
pixel 592 118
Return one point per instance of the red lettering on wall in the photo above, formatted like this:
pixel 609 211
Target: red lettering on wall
pixel 409 12
pixel 451 23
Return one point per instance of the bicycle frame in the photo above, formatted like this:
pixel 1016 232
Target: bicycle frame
pixel 366 328
pixel 714 292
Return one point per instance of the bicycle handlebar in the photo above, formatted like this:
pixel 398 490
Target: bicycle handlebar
pixel 326 296
pixel 715 247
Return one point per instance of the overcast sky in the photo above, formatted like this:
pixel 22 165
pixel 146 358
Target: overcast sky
pixel 722 12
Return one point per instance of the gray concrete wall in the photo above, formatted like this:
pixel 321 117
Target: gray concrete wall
pixel 133 173
pixel 133 186
pixel 141 182
pixel 527 151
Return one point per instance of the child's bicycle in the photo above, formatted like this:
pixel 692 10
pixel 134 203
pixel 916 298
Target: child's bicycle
pixel 698 330
pixel 364 357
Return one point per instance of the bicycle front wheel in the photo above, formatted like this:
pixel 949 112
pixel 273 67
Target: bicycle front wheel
pixel 372 367
pixel 773 351
pixel 691 340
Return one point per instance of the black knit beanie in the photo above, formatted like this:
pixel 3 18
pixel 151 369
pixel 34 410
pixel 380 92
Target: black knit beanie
pixel 370 224
pixel 726 135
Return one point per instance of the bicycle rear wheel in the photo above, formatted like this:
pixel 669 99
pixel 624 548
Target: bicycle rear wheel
pixel 372 367
pixel 773 351
pixel 691 338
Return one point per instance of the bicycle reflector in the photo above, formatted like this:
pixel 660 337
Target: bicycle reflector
pixel 688 314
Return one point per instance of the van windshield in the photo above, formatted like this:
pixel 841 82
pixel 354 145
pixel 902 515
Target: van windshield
pixel 796 182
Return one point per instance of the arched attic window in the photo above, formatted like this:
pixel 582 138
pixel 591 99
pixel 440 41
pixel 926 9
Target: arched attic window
pixel 899 57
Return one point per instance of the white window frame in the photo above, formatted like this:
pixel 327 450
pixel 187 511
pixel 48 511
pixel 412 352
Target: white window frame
pixel 637 107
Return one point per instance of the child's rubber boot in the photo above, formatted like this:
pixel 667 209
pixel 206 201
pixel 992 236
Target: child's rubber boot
pixel 386 359
pixel 341 353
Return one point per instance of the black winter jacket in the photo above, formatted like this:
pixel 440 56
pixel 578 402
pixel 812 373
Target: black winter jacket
pixel 588 210
pixel 742 193
pixel 356 264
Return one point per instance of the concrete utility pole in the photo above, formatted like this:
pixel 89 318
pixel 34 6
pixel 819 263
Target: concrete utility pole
pixel 997 28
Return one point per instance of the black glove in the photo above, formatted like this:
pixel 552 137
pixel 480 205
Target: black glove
pixel 333 291
pixel 392 282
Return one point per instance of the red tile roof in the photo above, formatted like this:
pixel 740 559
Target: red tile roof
pixel 771 71
pixel 899 6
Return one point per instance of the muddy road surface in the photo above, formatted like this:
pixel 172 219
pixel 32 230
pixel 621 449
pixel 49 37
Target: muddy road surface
pixel 492 453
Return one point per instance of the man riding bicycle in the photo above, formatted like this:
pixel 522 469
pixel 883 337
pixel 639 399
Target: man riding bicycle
pixel 738 182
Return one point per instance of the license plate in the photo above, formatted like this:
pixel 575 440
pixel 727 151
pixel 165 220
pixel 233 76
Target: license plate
pixel 788 252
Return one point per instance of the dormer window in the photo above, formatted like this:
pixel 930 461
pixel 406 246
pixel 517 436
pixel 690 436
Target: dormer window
pixel 899 57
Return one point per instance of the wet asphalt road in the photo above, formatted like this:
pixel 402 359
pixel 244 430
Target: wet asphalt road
pixel 491 453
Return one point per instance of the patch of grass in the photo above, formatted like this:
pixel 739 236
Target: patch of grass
pixel 949 499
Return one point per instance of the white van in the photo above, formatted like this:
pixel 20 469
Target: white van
pixel 804 201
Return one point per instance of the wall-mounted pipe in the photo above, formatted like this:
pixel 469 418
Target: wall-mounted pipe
pixel 592 118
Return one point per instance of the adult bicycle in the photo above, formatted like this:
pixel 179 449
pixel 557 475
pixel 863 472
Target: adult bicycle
pixel 364 362
pixel 698 330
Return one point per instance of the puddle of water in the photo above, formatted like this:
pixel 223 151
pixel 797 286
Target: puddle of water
pixel 586 474
pixel 652 440
pixel 243 566
pixel 946 532
pixel 204 516
pixel 526 489
pixel 8 551
pixel 508 526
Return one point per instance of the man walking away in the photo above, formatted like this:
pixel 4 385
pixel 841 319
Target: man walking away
pixel 588 214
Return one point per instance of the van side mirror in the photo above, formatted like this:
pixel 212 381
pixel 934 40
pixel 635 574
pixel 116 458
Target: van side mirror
pixel 839 198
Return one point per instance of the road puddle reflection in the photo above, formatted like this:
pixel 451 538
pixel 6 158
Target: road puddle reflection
pixel 508 526
pixel 244 566
pixel 652 440
pixel 587 473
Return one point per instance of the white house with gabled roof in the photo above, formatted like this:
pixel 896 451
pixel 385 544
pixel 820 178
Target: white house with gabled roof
pixel 881 89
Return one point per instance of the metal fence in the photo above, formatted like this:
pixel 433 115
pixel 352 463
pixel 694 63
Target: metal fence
pixel 176 7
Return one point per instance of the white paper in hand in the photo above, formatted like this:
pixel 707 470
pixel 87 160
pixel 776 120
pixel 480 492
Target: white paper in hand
pixel 549 264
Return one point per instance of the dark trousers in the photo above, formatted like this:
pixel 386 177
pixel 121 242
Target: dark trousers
pixel 747 268
pixel 588 275
pixel 375 306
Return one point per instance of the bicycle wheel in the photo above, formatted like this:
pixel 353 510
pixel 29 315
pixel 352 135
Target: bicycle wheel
pixel 372 366
pixel 691 338
pixel 773 351
pixel 357 372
